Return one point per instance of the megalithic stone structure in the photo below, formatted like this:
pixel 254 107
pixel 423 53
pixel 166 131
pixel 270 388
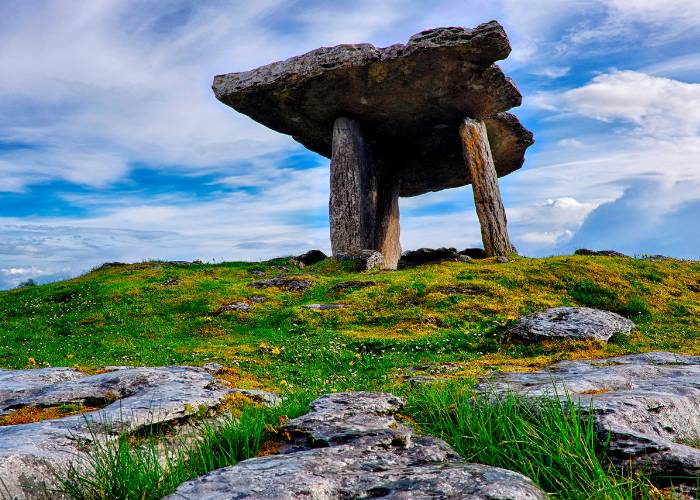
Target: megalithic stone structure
pixel 364 200
pixel 396 121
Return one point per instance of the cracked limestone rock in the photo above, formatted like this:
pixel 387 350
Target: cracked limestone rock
pixel 133 398
pixel 648 405
pixel 576 323
pixel 351 446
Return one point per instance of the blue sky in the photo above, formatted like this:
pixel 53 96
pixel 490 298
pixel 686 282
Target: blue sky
pixel 112 146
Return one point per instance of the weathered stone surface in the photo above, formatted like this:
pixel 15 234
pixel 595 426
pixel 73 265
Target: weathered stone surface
pixel 487 195
pixel 235 306
pixel 351 446
pixel 308 258
pixel 364 200
pixel 474 253
pixel 284 282
pixel 462 290
pixel 409 98
pixel 135 397
pixel 600 253
pixel 648 404
pixel 571 323
pixel 324 307
pixel 421 256
pixel 343 285
pixel 364 260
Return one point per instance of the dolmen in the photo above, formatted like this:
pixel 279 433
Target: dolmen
pixel 397 121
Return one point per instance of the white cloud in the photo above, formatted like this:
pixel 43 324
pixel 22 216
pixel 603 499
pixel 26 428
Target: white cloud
pixel 570 142
pixel 551 71
pixel 659 107
pixel 651 217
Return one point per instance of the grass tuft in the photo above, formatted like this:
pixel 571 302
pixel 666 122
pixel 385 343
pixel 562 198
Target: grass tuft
pixel 150 470
pixel 551 442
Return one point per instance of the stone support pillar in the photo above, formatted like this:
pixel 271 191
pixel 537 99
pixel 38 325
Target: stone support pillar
pixel 363 205
pixel 487 196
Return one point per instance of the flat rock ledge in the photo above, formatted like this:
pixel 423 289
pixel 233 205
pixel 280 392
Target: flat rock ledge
pixel 647 404
pixel 134 398
pixel 351 446
pixel 578 323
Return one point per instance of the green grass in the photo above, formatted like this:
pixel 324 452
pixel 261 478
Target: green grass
pixel 552 443
pixel 129 468
pixel 448 320
pixel 128 315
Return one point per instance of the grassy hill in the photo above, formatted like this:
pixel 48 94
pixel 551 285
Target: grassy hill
pixel 448 320
pixel 450 317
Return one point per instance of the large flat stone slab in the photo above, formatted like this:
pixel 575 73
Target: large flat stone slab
pixel 134 398
pixel 577 323
pixel 647 404
pixel 409 98
pixel 351 446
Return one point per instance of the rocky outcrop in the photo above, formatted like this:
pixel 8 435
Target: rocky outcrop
pixel 235 306
pixel 421 256
pixel 324 307
pixel 364 260
pixel 133 398
pixel 599 253
pixel 409 98
pixel 344 285
pixel 646 407
pixel 288 283
pixel 474 253
pixel 309 258
pixel 351 446
pixel 578 323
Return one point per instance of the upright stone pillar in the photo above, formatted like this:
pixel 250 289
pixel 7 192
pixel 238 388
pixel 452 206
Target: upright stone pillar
pixel 363 205
pixel 487 196
pixel 388 230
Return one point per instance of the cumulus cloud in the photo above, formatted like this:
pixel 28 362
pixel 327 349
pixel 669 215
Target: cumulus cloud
pixel 539 228
pixel 658 107
pixel 649 218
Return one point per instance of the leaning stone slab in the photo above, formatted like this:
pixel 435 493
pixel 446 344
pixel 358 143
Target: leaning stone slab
pixel 351 446
pixel 410 99
pixel 134 398
pixel 647 405
pixel 576 323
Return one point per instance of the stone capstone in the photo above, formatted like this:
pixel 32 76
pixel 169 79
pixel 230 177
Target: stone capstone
pixel 576 323
pixel 409 98
pixel 134 397
pixel 351 446
pixel 646 405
